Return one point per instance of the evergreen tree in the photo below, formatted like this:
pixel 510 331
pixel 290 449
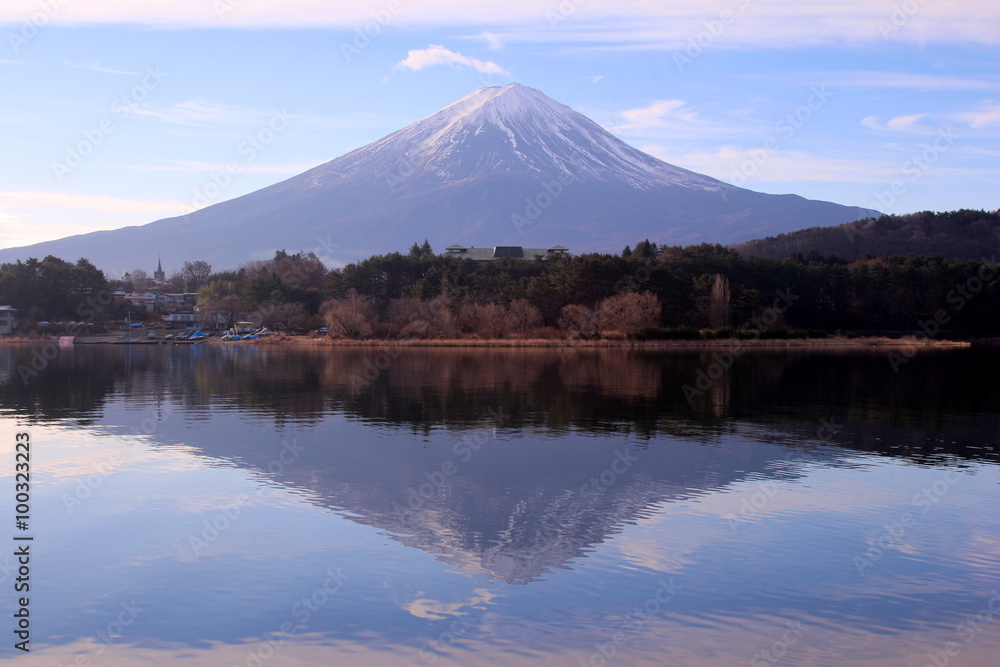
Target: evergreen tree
pixel 645 249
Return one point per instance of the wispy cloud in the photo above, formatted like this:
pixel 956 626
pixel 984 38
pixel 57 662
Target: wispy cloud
pixel 782 166
pixel 909 124
pixel 30 217
pixel 608 23
pixel 95 66
pixel 656 115
pixel 435 54
pixel 793 166
pixel 904 80
pixel 493 42
pixel 986 116
pixel 283 169
pixel 203 113
pixel 671 120
pixel 64 200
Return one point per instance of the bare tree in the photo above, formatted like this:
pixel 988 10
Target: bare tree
pixel 581 320
pixel 351 316
pixel 523 317
pixel 255 269
pixel 629 311
pixel 718 302
pixel 406 317
pixel 416 318
pixel 713 299
pixel 196 274
pixel 277 316
pixel 484 319
pixel 176 282
pixel 225 311
pixel 303 270
pixel 140 280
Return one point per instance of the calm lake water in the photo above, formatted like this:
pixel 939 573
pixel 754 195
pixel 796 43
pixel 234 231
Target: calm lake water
pixel 212 505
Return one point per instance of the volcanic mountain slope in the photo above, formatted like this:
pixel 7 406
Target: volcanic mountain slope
pixel 500 166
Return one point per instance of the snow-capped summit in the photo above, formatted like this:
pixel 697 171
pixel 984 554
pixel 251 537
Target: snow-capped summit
pixel 515 128
pixel 500 166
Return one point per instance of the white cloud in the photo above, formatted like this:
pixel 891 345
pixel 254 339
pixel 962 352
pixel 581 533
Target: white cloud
pixel 988 115
pixel 656 115
pixel 670 120
pixel 493 42
pixel 909 123
pixel 985 116
pixel 95 66
pixel 611 23
pixel 872 123
pixel 905 123
pixel 435 54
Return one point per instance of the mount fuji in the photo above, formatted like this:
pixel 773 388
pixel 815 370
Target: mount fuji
pixel 500 166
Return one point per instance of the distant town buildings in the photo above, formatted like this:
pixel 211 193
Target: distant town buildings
pixel 505 252
pixel 161 302
pixel 176 310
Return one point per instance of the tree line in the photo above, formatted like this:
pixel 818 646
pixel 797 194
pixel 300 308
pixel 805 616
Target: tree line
pixel 53 288
pixel 659 291
pixel 646 291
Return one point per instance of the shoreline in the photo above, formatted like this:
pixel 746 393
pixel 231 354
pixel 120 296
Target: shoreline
pixel 832 342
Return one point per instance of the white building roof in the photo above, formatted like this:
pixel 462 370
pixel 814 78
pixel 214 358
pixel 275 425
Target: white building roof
pixel 504 252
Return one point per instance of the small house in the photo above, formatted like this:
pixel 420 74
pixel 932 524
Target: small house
pixel 8 319
pixel 179 320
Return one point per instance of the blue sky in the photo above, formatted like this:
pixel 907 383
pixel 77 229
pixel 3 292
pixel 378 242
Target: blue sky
pixel 119 113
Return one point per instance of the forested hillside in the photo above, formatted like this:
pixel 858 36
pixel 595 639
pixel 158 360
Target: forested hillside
pixel 963 234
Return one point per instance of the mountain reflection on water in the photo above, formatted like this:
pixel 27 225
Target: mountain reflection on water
pixel 502 472
pixel 526 501
pixel 939 403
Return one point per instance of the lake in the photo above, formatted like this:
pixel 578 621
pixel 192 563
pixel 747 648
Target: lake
pixel 259 505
